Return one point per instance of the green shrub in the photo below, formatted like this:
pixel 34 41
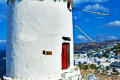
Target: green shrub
pixel 108 68
pixel 93 66
pixel 83 66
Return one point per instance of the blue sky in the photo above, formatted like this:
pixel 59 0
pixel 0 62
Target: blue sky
pixel 91 24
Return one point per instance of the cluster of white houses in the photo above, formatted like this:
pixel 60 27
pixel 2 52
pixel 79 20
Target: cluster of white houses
pixel 94 57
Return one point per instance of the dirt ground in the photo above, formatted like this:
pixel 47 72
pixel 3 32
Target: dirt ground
pixel 100 76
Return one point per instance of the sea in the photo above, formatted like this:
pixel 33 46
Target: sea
pixel 2 62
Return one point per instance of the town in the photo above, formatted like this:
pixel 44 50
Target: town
pixel 101 60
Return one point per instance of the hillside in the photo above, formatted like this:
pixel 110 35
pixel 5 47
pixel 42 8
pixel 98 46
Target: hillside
pixel 87 46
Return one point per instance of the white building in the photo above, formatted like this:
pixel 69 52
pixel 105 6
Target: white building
pixel 83 55
pixel 105 64
pixel 96 59
pixel 39 41
pixel 82 60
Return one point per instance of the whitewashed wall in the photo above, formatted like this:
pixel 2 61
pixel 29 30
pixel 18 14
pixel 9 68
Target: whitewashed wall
pixel 34 26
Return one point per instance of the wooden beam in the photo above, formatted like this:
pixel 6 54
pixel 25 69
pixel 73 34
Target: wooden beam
pixel 84 33
pixel 93 12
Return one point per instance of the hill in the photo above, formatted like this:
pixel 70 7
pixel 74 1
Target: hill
pixel 87 46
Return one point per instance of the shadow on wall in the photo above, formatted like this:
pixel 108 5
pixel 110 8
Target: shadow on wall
pixel 69 3
pixel 39 0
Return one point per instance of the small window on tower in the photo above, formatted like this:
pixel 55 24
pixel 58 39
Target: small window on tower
pixel 66 38
pixel 47 52
pixel 43 51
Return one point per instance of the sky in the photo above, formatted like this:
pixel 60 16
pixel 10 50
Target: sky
pixel 91 24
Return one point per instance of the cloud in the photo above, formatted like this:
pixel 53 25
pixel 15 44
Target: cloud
pixel 103 37
pixel 2 41
pixel 2 1
pixel 3 10
pixel 96 7
pixel 87 19
pixel 2 17
pixel 2 44
pixel 99 17
pixel 84 1
pixel 1 20
pixel 111 37
pixel 80 37
pixel 113 24
pixel 75 17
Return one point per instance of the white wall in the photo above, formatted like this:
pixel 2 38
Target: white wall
pixel 82 60
pixel 35 26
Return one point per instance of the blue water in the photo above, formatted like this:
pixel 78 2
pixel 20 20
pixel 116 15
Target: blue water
pixel 2 53
pixel 2 62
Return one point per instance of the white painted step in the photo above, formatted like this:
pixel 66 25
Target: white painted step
pixel 73 74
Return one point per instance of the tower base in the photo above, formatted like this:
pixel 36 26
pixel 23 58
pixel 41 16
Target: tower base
pixel 71 74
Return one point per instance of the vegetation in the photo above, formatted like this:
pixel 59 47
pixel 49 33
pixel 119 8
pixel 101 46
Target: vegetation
pixel 103 55
pixel 83 66
pixel 116 62
pixel 103 69
pixel 93 66
pixel 108 68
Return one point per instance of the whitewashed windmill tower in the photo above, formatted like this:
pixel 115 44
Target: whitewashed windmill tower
pixel 39 41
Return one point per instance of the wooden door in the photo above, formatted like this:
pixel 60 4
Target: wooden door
pixel 65 55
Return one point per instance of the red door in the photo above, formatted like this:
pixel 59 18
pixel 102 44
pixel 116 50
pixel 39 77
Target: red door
pixel 65 55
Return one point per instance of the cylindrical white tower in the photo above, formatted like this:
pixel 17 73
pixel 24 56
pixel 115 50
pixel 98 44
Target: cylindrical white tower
pixel 39 37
